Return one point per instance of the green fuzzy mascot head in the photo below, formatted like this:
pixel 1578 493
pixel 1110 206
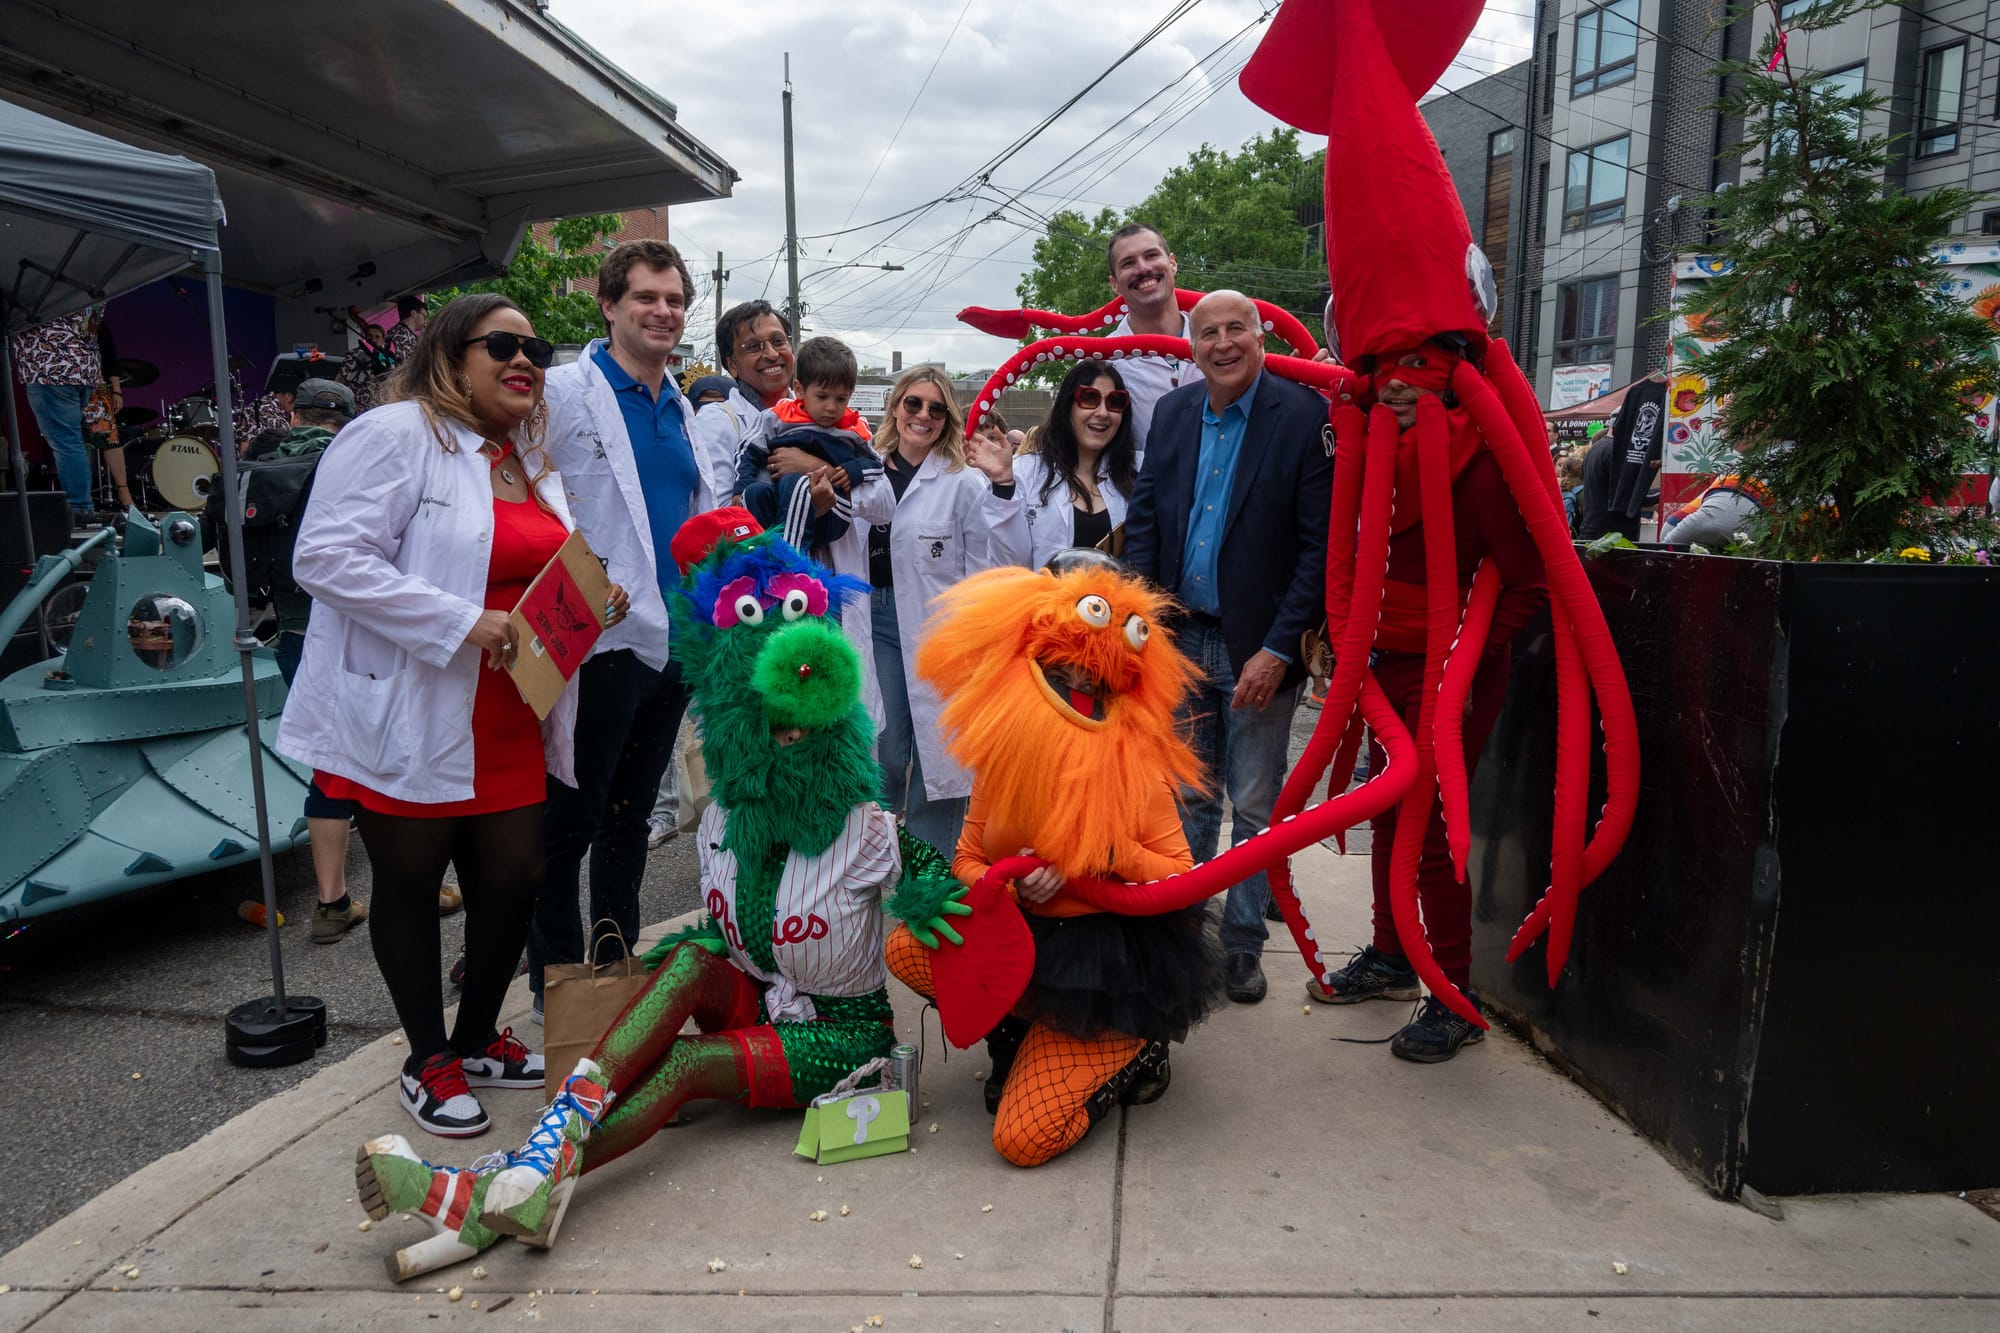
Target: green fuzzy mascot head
pixel 787 742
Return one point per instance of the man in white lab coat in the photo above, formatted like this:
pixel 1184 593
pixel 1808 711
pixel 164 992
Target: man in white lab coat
pixel 622 436
pixel 755 349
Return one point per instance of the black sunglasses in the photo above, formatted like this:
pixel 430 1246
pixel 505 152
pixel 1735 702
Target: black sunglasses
pixel 1089 396
pixel 917 407
pixel 501 346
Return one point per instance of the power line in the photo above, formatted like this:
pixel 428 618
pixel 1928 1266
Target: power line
pixel 865 185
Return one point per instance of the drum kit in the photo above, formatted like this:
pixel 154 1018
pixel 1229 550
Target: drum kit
pixel 178 458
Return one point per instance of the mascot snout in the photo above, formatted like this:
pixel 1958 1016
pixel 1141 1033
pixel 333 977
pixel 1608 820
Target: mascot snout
pixel 808 675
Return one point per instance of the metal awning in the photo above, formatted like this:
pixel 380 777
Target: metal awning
pixel 417 135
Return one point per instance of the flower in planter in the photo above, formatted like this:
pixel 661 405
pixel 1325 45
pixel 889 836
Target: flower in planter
pixel 1915 553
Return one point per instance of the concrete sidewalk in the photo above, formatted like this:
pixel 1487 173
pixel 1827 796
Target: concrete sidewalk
pixel 1286 1181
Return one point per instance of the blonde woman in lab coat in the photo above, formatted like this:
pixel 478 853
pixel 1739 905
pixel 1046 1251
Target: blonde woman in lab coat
pixel 951 495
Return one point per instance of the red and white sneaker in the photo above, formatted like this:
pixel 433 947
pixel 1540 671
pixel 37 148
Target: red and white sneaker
pixel 436 1096
pixel 505 1063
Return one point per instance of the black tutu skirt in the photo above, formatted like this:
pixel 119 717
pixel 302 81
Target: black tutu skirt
pixel 1143 976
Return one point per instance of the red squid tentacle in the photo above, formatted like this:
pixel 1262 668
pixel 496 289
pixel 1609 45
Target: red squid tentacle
pixel 1518 396
pixel 1021 323
pixel 1441 623
pixel 1572 794
pixel 1360 512
pixel 1270 846
pixel 1344 520
pixel 1569 588
pixel 1277 320
pixel 1460 668
pixel 1066 349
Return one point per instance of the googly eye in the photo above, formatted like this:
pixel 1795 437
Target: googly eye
pixel 1096 612
pixel 1137 631
pixel 749 611
pixel 796 604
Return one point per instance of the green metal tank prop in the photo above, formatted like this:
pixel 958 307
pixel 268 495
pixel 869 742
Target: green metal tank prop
pixel 123 761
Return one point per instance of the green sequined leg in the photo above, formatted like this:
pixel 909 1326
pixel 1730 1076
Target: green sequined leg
pixel 696 1067
pixel 691 983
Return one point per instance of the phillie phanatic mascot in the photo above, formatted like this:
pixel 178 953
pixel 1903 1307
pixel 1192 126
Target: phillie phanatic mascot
pixel 783 978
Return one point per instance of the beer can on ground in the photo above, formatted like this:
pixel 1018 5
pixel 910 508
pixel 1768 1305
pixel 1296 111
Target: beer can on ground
pixel 904 1060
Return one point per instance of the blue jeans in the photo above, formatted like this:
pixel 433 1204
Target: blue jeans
pixel 936 822
pixel 58 410
pixel 1244 752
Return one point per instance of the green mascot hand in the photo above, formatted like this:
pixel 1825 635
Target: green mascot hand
pixel 926 933
pixel 704 933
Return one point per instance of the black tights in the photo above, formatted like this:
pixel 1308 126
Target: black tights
pixel 499 859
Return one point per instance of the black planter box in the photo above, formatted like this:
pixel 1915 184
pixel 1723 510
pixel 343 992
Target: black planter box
pixel 1790 978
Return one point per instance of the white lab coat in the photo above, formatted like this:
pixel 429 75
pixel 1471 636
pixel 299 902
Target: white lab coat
pixel 874 502
pixel 587 439
pixel 393 549
pixel 1038 528
pixel 1149 379
pixel 943 531
pixel 720 434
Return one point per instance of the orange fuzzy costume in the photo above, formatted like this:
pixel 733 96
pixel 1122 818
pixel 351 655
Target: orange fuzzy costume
pixel 1059 697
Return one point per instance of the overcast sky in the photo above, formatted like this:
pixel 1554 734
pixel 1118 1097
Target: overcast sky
pixel 857 65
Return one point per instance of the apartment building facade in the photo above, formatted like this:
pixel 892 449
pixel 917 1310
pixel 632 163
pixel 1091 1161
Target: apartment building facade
pixel 1617 145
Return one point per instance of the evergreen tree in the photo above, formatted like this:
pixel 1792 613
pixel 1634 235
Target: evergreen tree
pixel 540 278
pixel 1845 360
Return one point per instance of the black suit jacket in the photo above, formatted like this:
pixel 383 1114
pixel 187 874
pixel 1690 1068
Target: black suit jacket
pixel 1271 571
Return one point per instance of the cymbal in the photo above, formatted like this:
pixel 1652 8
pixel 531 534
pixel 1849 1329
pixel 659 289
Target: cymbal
pixel 133 373
pixel 129 417
pixel 239 363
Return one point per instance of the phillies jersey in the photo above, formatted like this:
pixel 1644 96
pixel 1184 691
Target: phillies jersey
pixel 826 932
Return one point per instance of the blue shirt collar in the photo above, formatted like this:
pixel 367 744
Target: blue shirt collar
pixel 620 381
pixel 1240 408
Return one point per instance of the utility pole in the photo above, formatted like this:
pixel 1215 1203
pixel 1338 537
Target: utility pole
pixel 721 275
pixel 791 214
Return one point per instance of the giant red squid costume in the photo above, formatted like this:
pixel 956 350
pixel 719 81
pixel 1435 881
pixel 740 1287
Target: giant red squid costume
pixel 1406 277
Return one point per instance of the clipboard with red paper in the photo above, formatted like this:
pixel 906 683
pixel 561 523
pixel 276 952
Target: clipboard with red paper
pixel 557 622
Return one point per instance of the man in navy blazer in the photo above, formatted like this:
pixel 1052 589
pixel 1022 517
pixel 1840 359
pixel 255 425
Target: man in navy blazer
pixel 1229 516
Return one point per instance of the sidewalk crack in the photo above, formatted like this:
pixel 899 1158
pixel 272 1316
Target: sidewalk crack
pixel 1117 1222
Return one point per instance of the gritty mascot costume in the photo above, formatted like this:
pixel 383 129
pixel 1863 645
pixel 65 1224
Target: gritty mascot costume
pixel 784 976
pixel 1059 698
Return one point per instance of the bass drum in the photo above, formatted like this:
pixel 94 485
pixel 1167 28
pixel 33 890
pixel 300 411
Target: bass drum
pixel 184 470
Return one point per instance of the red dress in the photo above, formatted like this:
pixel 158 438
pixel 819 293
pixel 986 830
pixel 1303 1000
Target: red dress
pixel 508 765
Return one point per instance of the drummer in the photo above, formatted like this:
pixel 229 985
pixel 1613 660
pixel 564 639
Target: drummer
pixel 273 411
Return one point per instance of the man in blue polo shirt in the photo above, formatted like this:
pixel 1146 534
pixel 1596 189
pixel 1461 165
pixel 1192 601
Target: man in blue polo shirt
pixel 622 435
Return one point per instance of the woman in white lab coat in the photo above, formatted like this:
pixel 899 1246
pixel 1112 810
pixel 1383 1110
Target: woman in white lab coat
pixel 428 519
pixel 951 496
pixel 1073 488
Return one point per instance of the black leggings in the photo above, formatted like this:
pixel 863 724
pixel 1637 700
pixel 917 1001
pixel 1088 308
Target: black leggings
pixel 499 859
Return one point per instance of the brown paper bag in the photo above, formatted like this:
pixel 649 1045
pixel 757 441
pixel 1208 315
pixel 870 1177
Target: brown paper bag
pixel 579 1000
pixel 691 778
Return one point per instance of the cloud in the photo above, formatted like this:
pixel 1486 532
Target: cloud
pixel 856 66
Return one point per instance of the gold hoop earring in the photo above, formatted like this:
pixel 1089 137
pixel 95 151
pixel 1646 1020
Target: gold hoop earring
pixel 465 384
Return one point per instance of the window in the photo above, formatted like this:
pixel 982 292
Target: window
pixel 1594 192
pixel 1791 9
pixel 1500 143
pixel 1549 74
pixel 1607 47
pixel 1847 82
pixel 1944 82
pixel 1586 321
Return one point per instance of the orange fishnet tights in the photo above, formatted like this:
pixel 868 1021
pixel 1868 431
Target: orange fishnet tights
pixel 1044 1110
